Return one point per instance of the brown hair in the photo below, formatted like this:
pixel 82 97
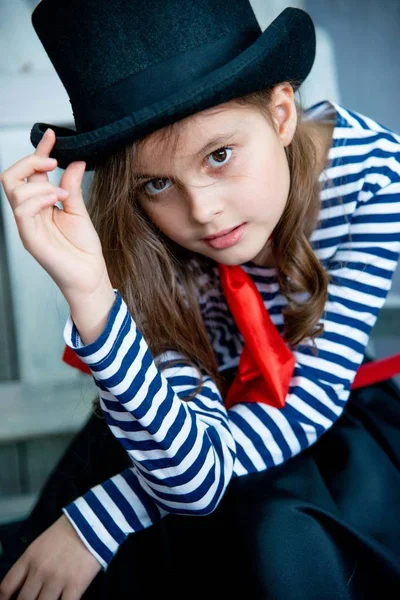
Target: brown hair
pixel 157 278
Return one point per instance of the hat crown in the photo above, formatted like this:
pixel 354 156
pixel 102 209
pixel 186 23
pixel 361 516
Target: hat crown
pixel 96 43
pixel 131 67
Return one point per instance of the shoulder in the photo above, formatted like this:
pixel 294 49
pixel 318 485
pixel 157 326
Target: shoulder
pixel 363 162
pixel 368 149
pixel 364 156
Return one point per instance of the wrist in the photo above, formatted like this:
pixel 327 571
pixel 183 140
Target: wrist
pixel 90 312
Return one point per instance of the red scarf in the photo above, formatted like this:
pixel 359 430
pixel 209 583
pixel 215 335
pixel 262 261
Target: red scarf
pixel 266 363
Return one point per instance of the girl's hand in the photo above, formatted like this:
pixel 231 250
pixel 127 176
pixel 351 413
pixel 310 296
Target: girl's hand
pixel 64 242
pixel 56 565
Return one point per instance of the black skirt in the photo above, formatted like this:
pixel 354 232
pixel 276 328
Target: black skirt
pixel 325 525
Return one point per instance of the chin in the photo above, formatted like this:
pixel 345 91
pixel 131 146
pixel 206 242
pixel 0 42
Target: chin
pixel 239 257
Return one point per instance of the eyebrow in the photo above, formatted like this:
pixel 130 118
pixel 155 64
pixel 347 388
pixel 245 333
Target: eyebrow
pixel 216 141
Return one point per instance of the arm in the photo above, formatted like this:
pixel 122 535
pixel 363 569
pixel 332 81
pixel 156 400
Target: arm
pixel 182 452
pixel 109 512
pixel 361 271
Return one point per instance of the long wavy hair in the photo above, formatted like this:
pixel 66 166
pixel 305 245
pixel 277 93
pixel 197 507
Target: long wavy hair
pixel 157 277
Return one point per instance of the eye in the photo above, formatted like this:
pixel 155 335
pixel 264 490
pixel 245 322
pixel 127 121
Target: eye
pixel 154 187
pixel 157 188
pixel 221 156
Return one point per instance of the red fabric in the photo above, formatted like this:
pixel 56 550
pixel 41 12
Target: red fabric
pixel 377 370
pixel 266 363
pixel 73 360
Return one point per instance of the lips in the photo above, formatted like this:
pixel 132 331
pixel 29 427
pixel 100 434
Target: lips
pixel 229 239
pixel 220 233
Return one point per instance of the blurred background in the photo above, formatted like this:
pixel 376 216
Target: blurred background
pixel 43 402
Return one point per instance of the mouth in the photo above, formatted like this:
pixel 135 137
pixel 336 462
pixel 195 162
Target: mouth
pixel 221 233
pixel 226 240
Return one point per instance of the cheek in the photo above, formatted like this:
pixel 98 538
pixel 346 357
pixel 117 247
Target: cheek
pixel 267 187
pixel 168 220
pixel 282 180
pixel 276 171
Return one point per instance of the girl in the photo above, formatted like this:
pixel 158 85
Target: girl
pixel 221 217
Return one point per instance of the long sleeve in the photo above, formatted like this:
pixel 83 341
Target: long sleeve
pixel 182 452
pixel 110 511
pixel 361 273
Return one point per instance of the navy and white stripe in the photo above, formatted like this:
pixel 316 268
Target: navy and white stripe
pixel 183 455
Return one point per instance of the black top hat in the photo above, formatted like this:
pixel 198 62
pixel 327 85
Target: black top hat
pixel 133 66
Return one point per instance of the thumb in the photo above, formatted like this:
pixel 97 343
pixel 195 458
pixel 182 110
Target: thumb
pixel 71 181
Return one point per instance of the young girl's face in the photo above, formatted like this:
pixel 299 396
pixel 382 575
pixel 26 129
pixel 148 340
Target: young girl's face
pixel 228 170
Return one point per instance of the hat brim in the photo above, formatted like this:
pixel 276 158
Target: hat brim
pixel 284 51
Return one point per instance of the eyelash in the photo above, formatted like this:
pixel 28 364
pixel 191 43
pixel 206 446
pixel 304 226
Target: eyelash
pixel 224 165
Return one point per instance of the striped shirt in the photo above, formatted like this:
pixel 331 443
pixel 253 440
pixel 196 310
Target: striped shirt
pixel 185 454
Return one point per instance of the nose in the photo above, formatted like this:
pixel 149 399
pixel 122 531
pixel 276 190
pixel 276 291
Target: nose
pixel 205 202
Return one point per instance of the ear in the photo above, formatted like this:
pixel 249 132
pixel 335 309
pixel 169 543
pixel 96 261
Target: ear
pixel 283 111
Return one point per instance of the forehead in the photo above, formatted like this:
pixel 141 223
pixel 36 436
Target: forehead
pixel 185 138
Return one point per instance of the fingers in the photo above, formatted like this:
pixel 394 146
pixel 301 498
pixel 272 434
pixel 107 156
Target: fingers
pixel 29 209
pixel 43 150
pixel 71 181
pixel 24 192
pixel 50 591
pixel 25 168
pixel 14 579
pixel 18 178
pixel 31 588
pixel 31 168
pixel 46 144
pixel 71 594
